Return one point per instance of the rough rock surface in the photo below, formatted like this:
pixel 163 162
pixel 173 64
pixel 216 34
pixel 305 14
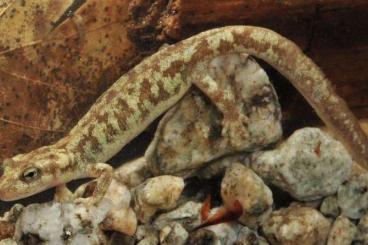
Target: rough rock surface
pixel 352 196
pixel 147 235
pixel 296 225
pixel 173 234
pixel 190 134
pixel 242 189
pixel 309 164
pixel 158 193
pixel 247 236
pixel 188 215
pixel 329 207
pixel 55 223
pixel 221 234
pixel 363 229
pixel 342 232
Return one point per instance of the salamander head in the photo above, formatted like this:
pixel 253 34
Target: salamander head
pixel 27 174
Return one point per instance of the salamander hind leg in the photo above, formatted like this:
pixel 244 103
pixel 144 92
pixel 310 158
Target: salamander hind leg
pixel 234 122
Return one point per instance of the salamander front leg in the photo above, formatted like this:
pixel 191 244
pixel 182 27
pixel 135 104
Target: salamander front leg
pixel 63 194
pixel 103 174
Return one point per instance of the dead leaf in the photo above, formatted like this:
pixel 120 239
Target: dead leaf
pixel 56 57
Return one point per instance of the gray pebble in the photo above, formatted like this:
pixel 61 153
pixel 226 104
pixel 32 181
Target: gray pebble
pixel 309 164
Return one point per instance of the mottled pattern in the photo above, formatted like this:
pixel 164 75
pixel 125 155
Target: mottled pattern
pixel 145 92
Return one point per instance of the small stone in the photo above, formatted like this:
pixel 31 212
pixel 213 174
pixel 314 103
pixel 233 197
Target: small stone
pixel 247 236
pixel 173 234
pixel 121 217
pixel 220 234
pixel 342 232
pixel 242 189
pixel 296 225
pixel 352 196
pixel 329 207
pixel 147 235
pixel 188 215
pixel 309 164
pixel 363 230
pixel 158 193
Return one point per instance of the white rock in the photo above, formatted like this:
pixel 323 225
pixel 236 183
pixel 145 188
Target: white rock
pixel 158 193
pixel 309 164
pixel 190 134
pixel 296 225
pixel 57 223
pixel 242 188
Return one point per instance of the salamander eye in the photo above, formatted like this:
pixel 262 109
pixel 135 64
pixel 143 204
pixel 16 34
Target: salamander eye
pixel 31 174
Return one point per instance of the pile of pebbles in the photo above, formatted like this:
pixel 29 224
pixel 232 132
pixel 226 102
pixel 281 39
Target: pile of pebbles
pixel 193 187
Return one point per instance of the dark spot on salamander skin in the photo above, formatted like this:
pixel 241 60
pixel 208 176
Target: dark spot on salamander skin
pixel 110 133
pixel 145 89
pixel 202 52
pixel 80 148
pixel 122 121
pixel 225 47
pixel 174 68
pixel 144 111
pixel 162 93
pixel 110 95
pixel 102 118
pixel 123 112
pixel 246 40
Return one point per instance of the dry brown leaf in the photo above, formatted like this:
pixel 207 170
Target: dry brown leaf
pixel 56 57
